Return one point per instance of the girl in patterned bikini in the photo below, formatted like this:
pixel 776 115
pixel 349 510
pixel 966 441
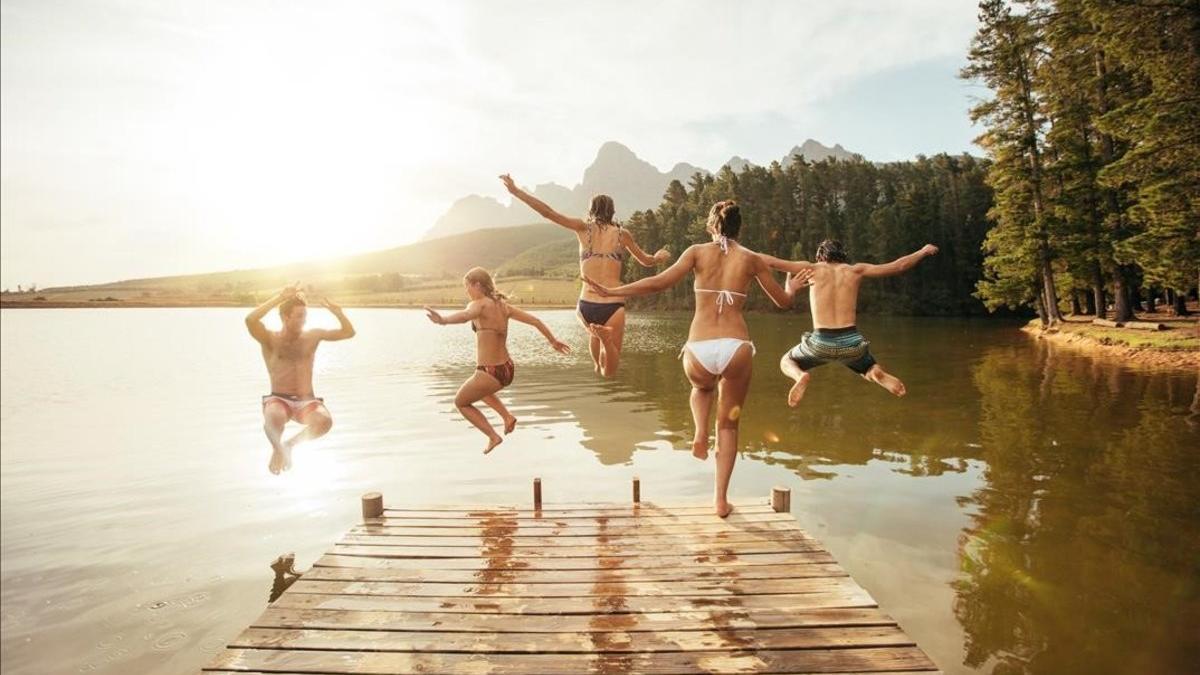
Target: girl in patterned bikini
pixel 488 311
pixel 603 244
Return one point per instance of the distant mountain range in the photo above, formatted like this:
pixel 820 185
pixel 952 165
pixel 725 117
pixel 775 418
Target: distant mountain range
pixel 633 183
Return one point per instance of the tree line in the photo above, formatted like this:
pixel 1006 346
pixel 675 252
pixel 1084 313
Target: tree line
pixel 1093 129
pixel 879 211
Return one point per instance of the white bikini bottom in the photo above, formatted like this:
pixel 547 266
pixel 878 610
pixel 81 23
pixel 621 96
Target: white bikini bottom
pixel 716 354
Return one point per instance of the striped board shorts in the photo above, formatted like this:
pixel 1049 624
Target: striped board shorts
pixel 846 346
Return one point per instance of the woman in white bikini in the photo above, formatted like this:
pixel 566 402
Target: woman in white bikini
pixel 603 244
pixel 718 354
pixel 489 313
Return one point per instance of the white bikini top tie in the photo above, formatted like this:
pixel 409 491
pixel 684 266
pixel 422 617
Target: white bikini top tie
pixel 724 297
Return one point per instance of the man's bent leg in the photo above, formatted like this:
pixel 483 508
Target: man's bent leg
pixel 886 380
pixel 789 367
pixel 317 422
pixel 275 417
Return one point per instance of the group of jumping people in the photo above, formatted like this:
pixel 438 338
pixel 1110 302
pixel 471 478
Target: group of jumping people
pixel 717 357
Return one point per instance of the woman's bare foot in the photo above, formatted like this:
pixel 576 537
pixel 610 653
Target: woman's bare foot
pixel 798 389
pixel 492 443
pixel 509 425
pixel 700 448
pixel 724 509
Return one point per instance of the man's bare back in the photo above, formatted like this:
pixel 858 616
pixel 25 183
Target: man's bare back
pixel 833 301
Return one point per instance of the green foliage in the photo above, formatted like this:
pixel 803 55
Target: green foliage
pixel 880 212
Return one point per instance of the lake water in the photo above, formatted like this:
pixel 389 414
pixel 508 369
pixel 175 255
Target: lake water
pixel 1023 509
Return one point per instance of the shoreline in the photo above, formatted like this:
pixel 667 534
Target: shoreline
pixel 1082 336
pixel 196 304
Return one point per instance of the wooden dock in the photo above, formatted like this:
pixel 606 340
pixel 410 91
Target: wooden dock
pixel 574 588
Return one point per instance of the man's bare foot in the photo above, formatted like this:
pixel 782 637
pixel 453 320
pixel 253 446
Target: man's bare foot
pixel 278 459
pixel 700 449
pixel 886 380
pixel 724 509
pixel 492 443
pixel 798 389
pixel 288 446
pixel 509 425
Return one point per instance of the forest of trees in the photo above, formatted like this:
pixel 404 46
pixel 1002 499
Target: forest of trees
pixel 880 211
pixel 1089 200
pixel 1093 129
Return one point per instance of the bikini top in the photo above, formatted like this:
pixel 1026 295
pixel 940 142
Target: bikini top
pixel 618 255
pixel 724 296
pixel 476 329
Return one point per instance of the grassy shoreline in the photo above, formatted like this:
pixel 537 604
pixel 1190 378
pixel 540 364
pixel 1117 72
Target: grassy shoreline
pixel 1178 347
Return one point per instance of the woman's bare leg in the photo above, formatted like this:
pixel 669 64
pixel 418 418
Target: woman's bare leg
pixel 704 386
pixel 475 389
pixel 612 336
pixel 735 382
pixel 594 344
pixel 493 401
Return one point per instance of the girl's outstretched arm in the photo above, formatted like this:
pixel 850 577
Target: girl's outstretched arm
pixel 542 207
pixel 521 315
pixel 474 308
pixel 655 284
pixel 646 260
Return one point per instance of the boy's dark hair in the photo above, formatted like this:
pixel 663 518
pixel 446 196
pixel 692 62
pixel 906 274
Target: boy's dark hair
pixel 831 251
pixel 295 301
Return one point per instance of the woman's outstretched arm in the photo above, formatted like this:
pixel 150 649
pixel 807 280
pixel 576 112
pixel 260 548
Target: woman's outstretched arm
pixel 473 310
pixel 542 207
pixel 646 260
pixel 655 284
pixel 518 314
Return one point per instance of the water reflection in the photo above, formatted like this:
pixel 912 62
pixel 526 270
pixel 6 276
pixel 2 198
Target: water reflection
pixel 1083 553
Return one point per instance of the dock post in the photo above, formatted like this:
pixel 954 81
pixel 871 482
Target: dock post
pixel 537 494
pixel 372 505
pixel 781 499
pixel 637 490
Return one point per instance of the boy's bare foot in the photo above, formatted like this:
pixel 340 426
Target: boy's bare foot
pixel 700 448
pixel 886 380
pixel 798 389
pixel 724 509
pixel 509 425
pixel 278 459
pixel 288 446
pixel 492 443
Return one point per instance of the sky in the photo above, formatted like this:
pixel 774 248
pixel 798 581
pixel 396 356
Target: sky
pixel 160 137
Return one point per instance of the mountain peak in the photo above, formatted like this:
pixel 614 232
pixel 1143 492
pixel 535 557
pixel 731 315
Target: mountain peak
pixel 612 150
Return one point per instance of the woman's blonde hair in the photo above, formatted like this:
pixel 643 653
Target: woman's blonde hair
pixel 725 218
pixel 478 275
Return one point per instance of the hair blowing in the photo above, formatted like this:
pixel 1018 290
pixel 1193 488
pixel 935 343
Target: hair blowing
pixel 602 210
pixel 831 251
pixel 725 218
pixel 478 275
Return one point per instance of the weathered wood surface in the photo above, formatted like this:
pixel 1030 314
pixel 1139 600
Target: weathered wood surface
pixel 574 588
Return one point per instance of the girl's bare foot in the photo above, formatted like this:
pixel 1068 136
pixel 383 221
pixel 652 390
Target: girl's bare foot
pixel 509 425
pixel 798 389
pixel 492 443
pixel 700 449
pixel 724 509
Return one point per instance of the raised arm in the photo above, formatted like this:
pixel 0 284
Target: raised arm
pixel 762 273
pixel 542 207
pixel 518 314
pixel 897 266
pixel 793 266
pixel 657 283
pixel 472 311
pixel 661 256
pixel 345 330
pixel 254 319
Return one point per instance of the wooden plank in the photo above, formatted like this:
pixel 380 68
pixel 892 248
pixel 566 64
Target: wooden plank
pixel 277 616
pixel 506 553
pixel 848 596
pixel 569 510
pixel 734 520
pixel 573 642
pixel 698 562
pixel 681 663
pixel 734 539
pixel 585 529
pixel 310 583
pixel 350 569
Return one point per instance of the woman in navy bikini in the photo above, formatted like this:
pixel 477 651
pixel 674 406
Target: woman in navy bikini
pixel 718 354
pixel 602 247
pixel 489 313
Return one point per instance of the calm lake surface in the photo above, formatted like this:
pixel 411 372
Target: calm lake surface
pixel 1023 509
